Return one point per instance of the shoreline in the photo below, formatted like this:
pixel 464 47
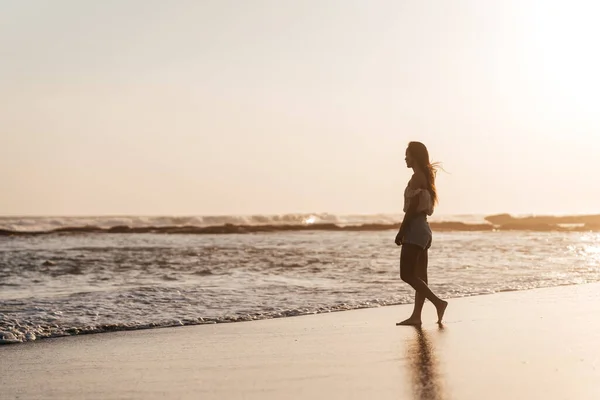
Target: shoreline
pixel 507 345
pixel 98 330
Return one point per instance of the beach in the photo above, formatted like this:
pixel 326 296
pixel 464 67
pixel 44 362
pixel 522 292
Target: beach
pixel 520 345
pixel 236 200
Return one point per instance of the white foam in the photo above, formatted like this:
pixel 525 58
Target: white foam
pixel 32 224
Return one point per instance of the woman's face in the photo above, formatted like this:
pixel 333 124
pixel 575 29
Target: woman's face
pixel 408 159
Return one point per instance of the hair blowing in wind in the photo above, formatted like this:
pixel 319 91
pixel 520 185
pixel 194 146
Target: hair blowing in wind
pixel 420 155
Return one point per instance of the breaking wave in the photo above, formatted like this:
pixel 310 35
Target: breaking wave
pixel 283 223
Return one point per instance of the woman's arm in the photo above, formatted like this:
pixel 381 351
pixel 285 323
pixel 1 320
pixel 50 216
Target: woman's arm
pixel 408 216
pixel 418 181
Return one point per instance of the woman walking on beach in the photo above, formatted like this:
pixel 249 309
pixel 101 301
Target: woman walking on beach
pixel 415 236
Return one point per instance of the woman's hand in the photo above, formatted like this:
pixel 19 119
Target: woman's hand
pixel 399 238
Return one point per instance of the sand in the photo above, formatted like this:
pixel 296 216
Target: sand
pixel 538 344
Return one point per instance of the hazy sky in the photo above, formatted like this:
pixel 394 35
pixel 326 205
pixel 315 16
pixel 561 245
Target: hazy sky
pixel 242 107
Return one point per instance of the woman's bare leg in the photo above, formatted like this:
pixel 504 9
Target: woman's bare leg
pixel 439 304
pixel 411 254
pixel 421 271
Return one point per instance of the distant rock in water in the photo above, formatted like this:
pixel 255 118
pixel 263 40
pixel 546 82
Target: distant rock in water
pixel 460 226
pixel 545 223
pixel 120 229
pixel 78 229
pixel 48 263
pixel 499 219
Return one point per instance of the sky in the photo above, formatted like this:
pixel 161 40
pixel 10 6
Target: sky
pixel 267 106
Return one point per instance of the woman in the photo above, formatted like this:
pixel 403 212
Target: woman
pixel 415 235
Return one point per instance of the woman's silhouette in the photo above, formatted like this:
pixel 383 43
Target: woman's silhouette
pixel 415 235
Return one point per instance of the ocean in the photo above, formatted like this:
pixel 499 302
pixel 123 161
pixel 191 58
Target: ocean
pixel 70 276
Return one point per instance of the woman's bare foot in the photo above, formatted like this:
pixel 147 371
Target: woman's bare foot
pixel 412 321
pixel 441 309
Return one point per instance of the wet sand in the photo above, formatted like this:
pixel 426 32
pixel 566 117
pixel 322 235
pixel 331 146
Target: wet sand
pixel 521 345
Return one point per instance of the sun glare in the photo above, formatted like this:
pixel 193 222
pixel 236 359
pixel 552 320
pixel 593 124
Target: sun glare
pixel 310 220
pixel 560 57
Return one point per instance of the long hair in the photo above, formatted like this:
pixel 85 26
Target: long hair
pixel 420 155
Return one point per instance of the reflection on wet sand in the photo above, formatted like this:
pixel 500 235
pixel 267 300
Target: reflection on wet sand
pixel 424 368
